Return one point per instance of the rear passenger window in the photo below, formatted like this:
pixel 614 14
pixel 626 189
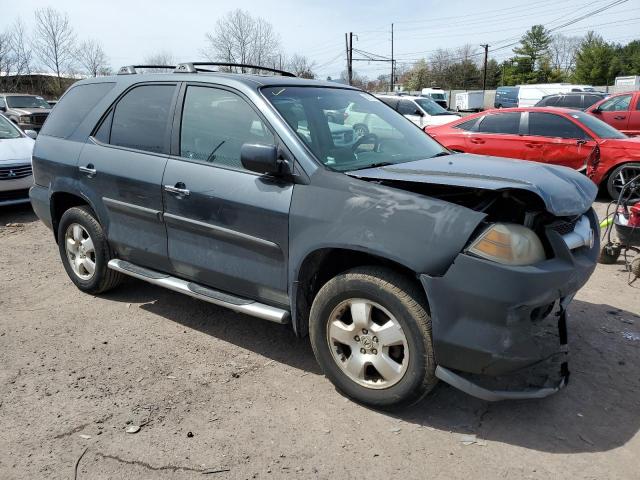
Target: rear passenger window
pixel 590 100
pixel 392 102
pixel 407 107
pixel 141 119
pixel 550 125
pixel 73 107
pixel 505 123
pixel 468 125
pixel 571 101
pixel 215 125
pixel 548 102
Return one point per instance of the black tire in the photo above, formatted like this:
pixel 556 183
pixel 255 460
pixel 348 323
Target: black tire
pixel 405 301
pixel 103 278
pixel 611 189
pixel 609 254
pixel 634 267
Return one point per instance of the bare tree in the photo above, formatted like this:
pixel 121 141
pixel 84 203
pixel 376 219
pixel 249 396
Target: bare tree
pixel 563 52
pixel 163 57
pixel 241 38
pixel 54 41
pixel 301 66
pixel 91 57
pixel 7 59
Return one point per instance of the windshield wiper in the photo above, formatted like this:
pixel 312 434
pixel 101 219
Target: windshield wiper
pixel 440 154
pixel 375 165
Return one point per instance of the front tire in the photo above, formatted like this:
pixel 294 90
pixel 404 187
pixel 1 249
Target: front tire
pixel 371 333
pixel 85 252
pixel 619 176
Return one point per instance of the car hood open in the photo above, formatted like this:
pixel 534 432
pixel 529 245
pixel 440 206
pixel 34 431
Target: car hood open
pixel 563 190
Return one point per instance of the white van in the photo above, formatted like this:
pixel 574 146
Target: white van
pixel 436 94
pixel 529 95
pixel 420 110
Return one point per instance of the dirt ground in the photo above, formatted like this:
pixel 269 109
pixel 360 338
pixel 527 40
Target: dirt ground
pixel 236 397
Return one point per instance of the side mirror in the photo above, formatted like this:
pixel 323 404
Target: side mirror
pixel 418 112
pixel 3 108
pixel 31 133
pixel 596 110
pixel 263 159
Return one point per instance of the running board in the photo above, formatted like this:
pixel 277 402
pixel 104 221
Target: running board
pixel 238 304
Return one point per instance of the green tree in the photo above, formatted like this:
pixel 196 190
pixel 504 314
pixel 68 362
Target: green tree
pixel 534 46
pixel 595 61
pixel 418 76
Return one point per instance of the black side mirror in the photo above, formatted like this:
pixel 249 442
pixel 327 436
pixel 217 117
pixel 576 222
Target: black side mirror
pixel 418 112
pixel 596 110
pixel 263 159
pixel 3 108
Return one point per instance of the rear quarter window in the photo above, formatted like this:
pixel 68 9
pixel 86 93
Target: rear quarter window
pixel 73 107
pixel 502 123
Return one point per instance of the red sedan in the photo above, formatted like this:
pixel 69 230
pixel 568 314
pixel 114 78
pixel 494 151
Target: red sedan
pixel 621 111
pixel 550 135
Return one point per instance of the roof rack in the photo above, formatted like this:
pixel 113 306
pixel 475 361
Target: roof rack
pixel 192 67
pixel 131 69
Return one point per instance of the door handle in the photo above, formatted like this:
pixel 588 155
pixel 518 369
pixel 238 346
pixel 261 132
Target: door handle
pixel 477 141
pixel 89 170
pixel 533 145
pixel 581 142
pixel 619 117
pixel 179 189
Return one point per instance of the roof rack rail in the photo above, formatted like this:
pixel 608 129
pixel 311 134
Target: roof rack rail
pixel 192 67
pixel 131 69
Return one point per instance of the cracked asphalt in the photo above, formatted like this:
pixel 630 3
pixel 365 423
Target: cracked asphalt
pixel 236 397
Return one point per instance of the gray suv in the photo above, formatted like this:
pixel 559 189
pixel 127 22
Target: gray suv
pixel 27 111
pixel 403 262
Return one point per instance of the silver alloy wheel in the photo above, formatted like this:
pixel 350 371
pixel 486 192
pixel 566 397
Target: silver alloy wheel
pixel 624 176
pixel 80 251
pixel 367 343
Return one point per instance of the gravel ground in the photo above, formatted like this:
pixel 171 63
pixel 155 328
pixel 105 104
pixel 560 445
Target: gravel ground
pixel 238 397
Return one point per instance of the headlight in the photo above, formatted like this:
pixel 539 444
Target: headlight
pixel 25 119
pixel 510 244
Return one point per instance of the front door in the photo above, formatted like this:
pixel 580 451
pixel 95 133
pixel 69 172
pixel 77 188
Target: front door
pixel 227 227
pixel 562 142
pixel 615 111
pixel 121 169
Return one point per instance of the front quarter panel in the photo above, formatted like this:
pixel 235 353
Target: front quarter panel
pixel 337 211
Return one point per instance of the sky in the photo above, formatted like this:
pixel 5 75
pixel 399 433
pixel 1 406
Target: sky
pixel 131 30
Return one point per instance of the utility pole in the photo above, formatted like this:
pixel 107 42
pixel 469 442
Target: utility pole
pixel 348 40
pixel 392 62
pixel 484 74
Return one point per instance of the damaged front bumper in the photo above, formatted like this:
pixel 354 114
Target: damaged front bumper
pixel 490 319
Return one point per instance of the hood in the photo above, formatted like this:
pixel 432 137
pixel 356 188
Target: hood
pixel 16 149
pixel 433 120
pixel 29 111
pixel 626 143
pixel 563 190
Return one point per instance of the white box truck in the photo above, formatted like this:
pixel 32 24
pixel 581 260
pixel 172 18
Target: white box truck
pixel 626 84
pixel 470 101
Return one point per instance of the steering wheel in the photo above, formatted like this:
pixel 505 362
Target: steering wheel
pixel 367 138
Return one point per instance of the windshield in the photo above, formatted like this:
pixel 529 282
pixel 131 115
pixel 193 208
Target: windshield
pixel 597 126
pixel 371 134
pixel 431 107
pixel 26 101
pixel 8 130
pixel 437 96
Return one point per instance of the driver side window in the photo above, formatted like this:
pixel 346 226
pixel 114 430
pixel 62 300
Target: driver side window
pixel 407 107
pixel 215 125
pixel 616 104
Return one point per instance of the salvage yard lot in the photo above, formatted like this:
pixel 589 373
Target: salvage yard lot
pixel 77 370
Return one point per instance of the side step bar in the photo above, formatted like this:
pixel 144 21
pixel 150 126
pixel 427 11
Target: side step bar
pixel 240 305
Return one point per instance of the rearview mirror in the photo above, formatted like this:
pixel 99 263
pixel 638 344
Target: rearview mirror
pixel 31 133
pixel 263 159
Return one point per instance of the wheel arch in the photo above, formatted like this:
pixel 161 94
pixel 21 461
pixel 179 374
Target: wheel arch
pixel 60 202
pixel 321 265
pixel 604 182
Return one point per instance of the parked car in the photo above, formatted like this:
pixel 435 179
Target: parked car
pixel 573 100
pixel 438 95
pixel 27 111
pixel 621 111
pixel 15 163
pixel 420 110
pixel 557 136
pixel 403 262
pixel 506 97
pixel 529 95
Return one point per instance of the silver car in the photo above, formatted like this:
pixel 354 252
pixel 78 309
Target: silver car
pixel 15 163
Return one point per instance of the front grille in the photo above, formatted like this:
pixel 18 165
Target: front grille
pixel 564 226
pixel 14 195
pixel 14 173
pixel 39 118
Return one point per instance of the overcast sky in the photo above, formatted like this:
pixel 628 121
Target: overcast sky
pixel 129 30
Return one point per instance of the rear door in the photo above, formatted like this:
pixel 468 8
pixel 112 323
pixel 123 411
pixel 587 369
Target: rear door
pixel 615 111
pixel 227 227
pixel 497 134
pixel 121 168
pixel 561 141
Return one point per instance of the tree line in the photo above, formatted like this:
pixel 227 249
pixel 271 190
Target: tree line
pixel 539 57
pixel 52 46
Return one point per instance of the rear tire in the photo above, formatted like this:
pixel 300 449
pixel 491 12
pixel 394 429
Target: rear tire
pixel 390 362
pixel 85 252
